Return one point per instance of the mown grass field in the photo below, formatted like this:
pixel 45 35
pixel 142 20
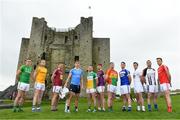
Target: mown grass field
pixel 82 114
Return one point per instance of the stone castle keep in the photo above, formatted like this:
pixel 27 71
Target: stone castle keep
pixel 64 45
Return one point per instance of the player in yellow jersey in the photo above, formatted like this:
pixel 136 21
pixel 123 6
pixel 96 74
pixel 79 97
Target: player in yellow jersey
pixel 39 86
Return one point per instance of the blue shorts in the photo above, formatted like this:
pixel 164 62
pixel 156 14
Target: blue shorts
pixel 75 88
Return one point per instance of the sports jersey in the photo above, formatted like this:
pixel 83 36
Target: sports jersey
pixel 124 77
pixel 100 75
pixel 91 80
pixel 25 73
pixel 137 76
pixel 76 76
pixel 112 77
pixel 41 74
pixel 57 81
pixel 150 75
pixel 162 75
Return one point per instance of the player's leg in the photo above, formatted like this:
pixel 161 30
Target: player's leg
pixel 109 100
pixel 40 95
pixel 94 100
pixel 149 101
pixel 142 101
pixel 99 104
pixel 129 102
pixel 89 102
pixel 17 99
pixel 35 99
pixel 21 101
pixel 76 101
pixel 102 100
pixel 138 102
pixel 155 101
pixel 168 100
pixel 57 101
pixel 124 102
pixel 69 101
pixel 54 101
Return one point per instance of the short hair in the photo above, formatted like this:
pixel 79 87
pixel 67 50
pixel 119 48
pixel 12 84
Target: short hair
pixel 76 61
pixel 111 63
pixel 159 58
pixel 148 60
pixel 100 65
pixel 123 63
pixel 135 63
pixel 27 59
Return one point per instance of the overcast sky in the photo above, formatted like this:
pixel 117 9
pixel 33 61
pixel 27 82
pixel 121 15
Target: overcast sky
pixel 138 29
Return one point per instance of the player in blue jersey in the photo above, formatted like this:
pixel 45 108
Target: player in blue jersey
pixel 125 81
pixel 76 76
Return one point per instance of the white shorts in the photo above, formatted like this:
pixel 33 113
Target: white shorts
pixel 164 87
pixel 39 86
pixel 152 89
pixel 100 89
pixel 125 89
pixel 111 88
pixel 23 86
pixel 91 90
pixel 57 89
pixel 138 88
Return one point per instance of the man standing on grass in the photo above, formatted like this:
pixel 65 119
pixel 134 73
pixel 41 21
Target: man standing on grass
pixel 149 78
pixel 23 78
pixel 111 79
pixel 76 76
pixel 57 81
pixel 91 83
pixel 100 88
pixel 39 77
pixel 125 80
pixel 138 87
pixel 164 77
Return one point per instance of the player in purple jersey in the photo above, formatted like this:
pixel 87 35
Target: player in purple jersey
pixel 100 88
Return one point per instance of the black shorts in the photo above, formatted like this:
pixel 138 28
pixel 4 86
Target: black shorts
pixel 75 88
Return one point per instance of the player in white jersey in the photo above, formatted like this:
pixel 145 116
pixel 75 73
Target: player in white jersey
pixel 138 87
pixel 149 77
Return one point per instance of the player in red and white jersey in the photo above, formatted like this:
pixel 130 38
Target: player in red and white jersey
pixel 164 77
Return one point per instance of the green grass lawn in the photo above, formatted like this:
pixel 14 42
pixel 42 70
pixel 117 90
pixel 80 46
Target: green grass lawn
pixel 82 114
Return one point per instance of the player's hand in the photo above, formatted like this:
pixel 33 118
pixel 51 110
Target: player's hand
pixel 65 85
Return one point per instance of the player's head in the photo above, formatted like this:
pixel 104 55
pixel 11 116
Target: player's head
pixel 99 66
pixel 148 63
pixel 77 64
pixel 111 65
pixel 159 61
pixel 123 65
pixel 28 62
pixel 90 68
pixel 60 66
pixel 135 65
pixel 42 63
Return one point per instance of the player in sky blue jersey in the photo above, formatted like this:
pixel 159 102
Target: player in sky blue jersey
pixel 125 80
pixel 76 76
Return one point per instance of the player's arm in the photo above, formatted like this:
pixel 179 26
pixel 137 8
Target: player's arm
pixel 31 76
pixel 35 74
pixel 96 78
pixel 82 86
pixel 17 74
pixel 168 74
pixel 106 76
pixel 53 75
pixel 143 77
pixel 67 80
pixel 130 79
